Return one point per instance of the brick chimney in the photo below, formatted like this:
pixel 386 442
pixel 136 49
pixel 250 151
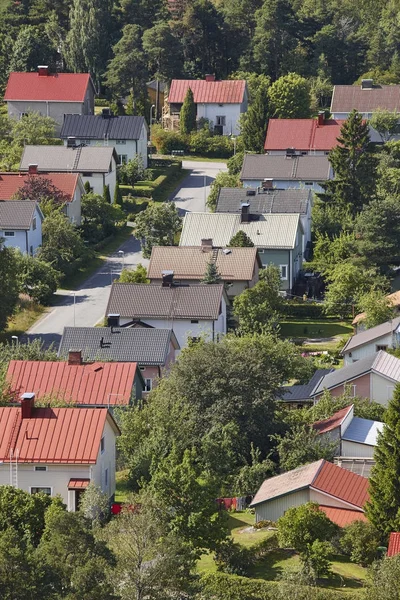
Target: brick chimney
pixel 210 77
pixel 206 245
pixel 27 405
pixel 32 169
pixel 321 118
pixel 75 357
pixel 43 70
pixel 167 278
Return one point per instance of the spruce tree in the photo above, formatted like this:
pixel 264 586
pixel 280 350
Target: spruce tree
pixel 240 240
pixel 383 509
pixel 106 193
pixel 255 122
pixel 188 113
pixel 87 187
pixel 353 166
pixel 117 195
pixel 212 275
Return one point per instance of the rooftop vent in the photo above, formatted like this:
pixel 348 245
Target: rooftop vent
pixel 290 152
pixel 250 192
pixel 367 84
pixel 43 70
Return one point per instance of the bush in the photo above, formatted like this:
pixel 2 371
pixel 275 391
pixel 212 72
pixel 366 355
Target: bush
pixel 133 206
pixel 203 142
pixel 233 558
pixel 166 141
pixel 132 171
pixel 101 102
pixel 303 310
pixel 360 542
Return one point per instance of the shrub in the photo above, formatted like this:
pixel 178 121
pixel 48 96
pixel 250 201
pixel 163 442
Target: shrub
pixel 166 141
pixel 101 102
pixel 360 541
pixel 302 310
pixel 132 171
pixel 233 558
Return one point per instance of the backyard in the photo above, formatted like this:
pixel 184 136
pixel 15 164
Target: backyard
pixel 319 334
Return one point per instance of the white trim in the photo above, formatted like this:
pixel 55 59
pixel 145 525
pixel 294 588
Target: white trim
pixel 41 486
pixel 336 498
pixel 280 269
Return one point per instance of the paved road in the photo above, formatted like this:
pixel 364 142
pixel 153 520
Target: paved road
pixel 92 296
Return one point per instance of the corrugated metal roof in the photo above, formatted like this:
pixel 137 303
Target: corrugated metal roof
pixel 302 134
pixel 138 300
pixel 98 384
pixel 147 347
pixel 190 262
pixel 274 201
pixel 208 92
pixel 10 183
pixel 369 335
pixel 279 167
pixel 271 231
pixel 17 214
pixel 303 392
pixel 342 516
pixel 334 421
pixel 363 431
pixel 57 87
pixel 342 484
pixel 347 97
pixel 345 374
pixel 394 544
pixel 53 435
pixel 96 159
pixel 97 127
pixel 78 484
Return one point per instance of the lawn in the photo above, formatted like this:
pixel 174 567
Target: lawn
pixel 27 313
pixel 313 328
pixel 122 489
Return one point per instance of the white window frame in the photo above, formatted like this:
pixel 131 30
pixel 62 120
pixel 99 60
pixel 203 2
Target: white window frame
pixel 354 388
pixel 9 234
pixel 40 487
pixel 122 159
pixel 40 469
pixel 220 120
pixel 281 267
pixel 148 386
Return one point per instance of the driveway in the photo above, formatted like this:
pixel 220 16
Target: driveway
pixel 192 193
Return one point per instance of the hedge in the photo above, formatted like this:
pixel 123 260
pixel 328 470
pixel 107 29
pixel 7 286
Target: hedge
pixel 303 310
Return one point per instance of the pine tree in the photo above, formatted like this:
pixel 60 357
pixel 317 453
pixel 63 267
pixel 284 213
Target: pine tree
pixel 240 240
pixel 383 509
pixel 117 195
pixel 188 113
pixel 255 122
pixel 212 275
pixel 87 187
pixel 106 193
pixel 353 165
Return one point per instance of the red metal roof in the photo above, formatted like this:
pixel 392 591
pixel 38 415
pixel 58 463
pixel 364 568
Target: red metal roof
pixel 52 435
pixel 78 484
pixel 342 484
pixel 394 544
pixel 302 134
pixel 59 87
pixel 332 422
pixel 10 183
pixel 342 516
pixel 96 384
pixel 212 92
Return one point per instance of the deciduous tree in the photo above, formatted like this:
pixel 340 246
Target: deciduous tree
pixel 39 188
pixel 33 129
pixel 157 226
pixel 62 244
pixel 302 445
pixel 385 123
pixel 138 275
pixel 36 278
pixel 9 285
pixel 289 97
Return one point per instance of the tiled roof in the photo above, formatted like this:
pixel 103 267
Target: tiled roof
pixel 95 159
pixel 190 262
pixel 294 393
pixel 343 516
pixel 147 347
pixel 58 87
pixel 394 544
pixel 394 300
pixel 273 201
pixel 140 300
pixel 52 435
pixel 97 127
pixel 10 183
pixel 271 231
pixel 17 214
pixel 98 384
pixel 278 167
pixel 332 422
pixel 363 431
pixel 369 335
pixel 302 134
pixel 321 476
pixel 347 97
pixel 78 484
pixel 209 92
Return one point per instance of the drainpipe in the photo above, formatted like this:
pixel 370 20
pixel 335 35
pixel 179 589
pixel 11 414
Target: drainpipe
pixel 290 270
pixel 26 241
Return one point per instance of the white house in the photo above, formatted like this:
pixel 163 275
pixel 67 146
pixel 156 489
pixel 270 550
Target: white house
pixel 220 102
pixel 21 225
pixel 371 341
pixel 192 312
pixel 49 94
pixel 96 165
pixel 57 450
pixel 127 134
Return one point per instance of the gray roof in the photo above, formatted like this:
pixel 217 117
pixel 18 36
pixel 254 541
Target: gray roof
pixel 363 431
pixel 369 335
pixel 380 362
pixel 296 393
pixel 97 127
pixel 146 346
pixel 347 97
pixel 139 301
pixel 298 168
pixel 273 201
pixel 96 159
pixel 17 214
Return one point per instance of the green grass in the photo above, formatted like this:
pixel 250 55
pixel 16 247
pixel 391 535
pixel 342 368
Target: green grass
pixel 313 328
pixel 27 313
pixel 122 489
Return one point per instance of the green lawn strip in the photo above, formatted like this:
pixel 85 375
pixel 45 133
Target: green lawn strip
pixel 122 490
pixel 26 315
pixel 164 191
pixel 74 280
pixel 193 157
pixel 314 328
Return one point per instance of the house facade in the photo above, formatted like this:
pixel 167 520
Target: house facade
pixel 57 451
pixel 315 137
pixel 371 341
pixel 21 225
pixel 127 134
pixel 219 102
pixel 49 94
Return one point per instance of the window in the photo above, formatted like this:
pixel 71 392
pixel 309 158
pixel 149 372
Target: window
pixel 148 384
pixel 194 321
pixel 284 271
pixel 41 490
pixel 354 390
pixel 106 478
pixel 220 121
pixel 381 347
pixel 87 174
pixel 23 115
pixel 309 183
pixel 102 445
pixel 261 250
pixel 122 159
pixel 303 153
pixel 31 250
pixel 34 223
pixel 40 468
pixel 9 234
pixel 142 368
pixel 193 339
pixel 121 142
